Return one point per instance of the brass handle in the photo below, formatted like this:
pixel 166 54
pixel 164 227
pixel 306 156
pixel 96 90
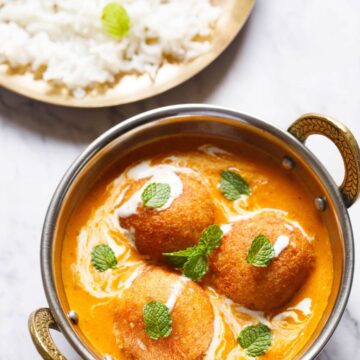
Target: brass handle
pixel 342 137
pixel 40 322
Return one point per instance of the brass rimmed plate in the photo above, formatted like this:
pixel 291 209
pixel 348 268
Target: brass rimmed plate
pixel 132 88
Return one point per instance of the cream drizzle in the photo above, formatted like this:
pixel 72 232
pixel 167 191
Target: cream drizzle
pixel 130 207
pixel 243 214
pixel 133 277
pixel 212 150
pixel 249 214
pixel 161 173
pixel 236 353
pixel 175 292
pixel 225 316
pixel 226 228
pixel 104 228
pixel 281 244
pixel 144 170
pixel 304 306
pixel 308 237
pixel 104 284
pixel 258 315
pixel 215 350
pixel 141 345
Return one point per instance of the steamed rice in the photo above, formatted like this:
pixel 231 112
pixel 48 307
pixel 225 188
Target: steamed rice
pixel 66 38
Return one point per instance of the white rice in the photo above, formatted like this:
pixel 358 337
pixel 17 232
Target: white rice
pixel 67 37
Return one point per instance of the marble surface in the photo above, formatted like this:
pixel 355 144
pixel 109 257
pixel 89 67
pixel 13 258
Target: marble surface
pixel 292 57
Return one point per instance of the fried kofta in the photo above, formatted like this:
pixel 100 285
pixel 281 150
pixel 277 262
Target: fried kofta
pixel 176 227
pixel 269 287
pixel 190 308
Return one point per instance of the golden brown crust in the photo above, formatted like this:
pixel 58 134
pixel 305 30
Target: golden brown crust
pixel 255 287
pixel 193 318
pixel 177 227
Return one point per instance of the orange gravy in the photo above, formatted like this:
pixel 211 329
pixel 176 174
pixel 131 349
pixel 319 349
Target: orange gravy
pixel 93 295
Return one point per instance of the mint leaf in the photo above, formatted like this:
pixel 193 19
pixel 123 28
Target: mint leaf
pixel 255 339
pixel 179 258
pixel 158 320
pixel 196 267
pixel 261 252
pixel 194 260
pixel 211 238
pixel 232 185
pixel 155 195
pixel 103 258
pixel 115 20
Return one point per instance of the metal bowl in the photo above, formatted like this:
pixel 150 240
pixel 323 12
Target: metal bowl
pixel 286 147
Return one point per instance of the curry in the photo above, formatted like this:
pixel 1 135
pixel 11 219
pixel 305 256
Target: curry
pixel 111 215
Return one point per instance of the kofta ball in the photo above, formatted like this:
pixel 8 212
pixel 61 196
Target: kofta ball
pixel 262 288
pixel 190 308
pixel 175 228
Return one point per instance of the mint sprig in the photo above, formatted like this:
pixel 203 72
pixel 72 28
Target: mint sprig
pixel 103 258
pixel 155 195
pixel 233 185
pixel 196 267
pixel 158 320
pixel 261 252
pixel 256 339
pixel 115 20
pixel 179 258
pixel 194 260
pixel 211 238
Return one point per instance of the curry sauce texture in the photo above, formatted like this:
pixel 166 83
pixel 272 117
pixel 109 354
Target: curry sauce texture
pixel 254 284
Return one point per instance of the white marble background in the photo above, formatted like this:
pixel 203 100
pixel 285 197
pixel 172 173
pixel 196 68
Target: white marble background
pixel 293 57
